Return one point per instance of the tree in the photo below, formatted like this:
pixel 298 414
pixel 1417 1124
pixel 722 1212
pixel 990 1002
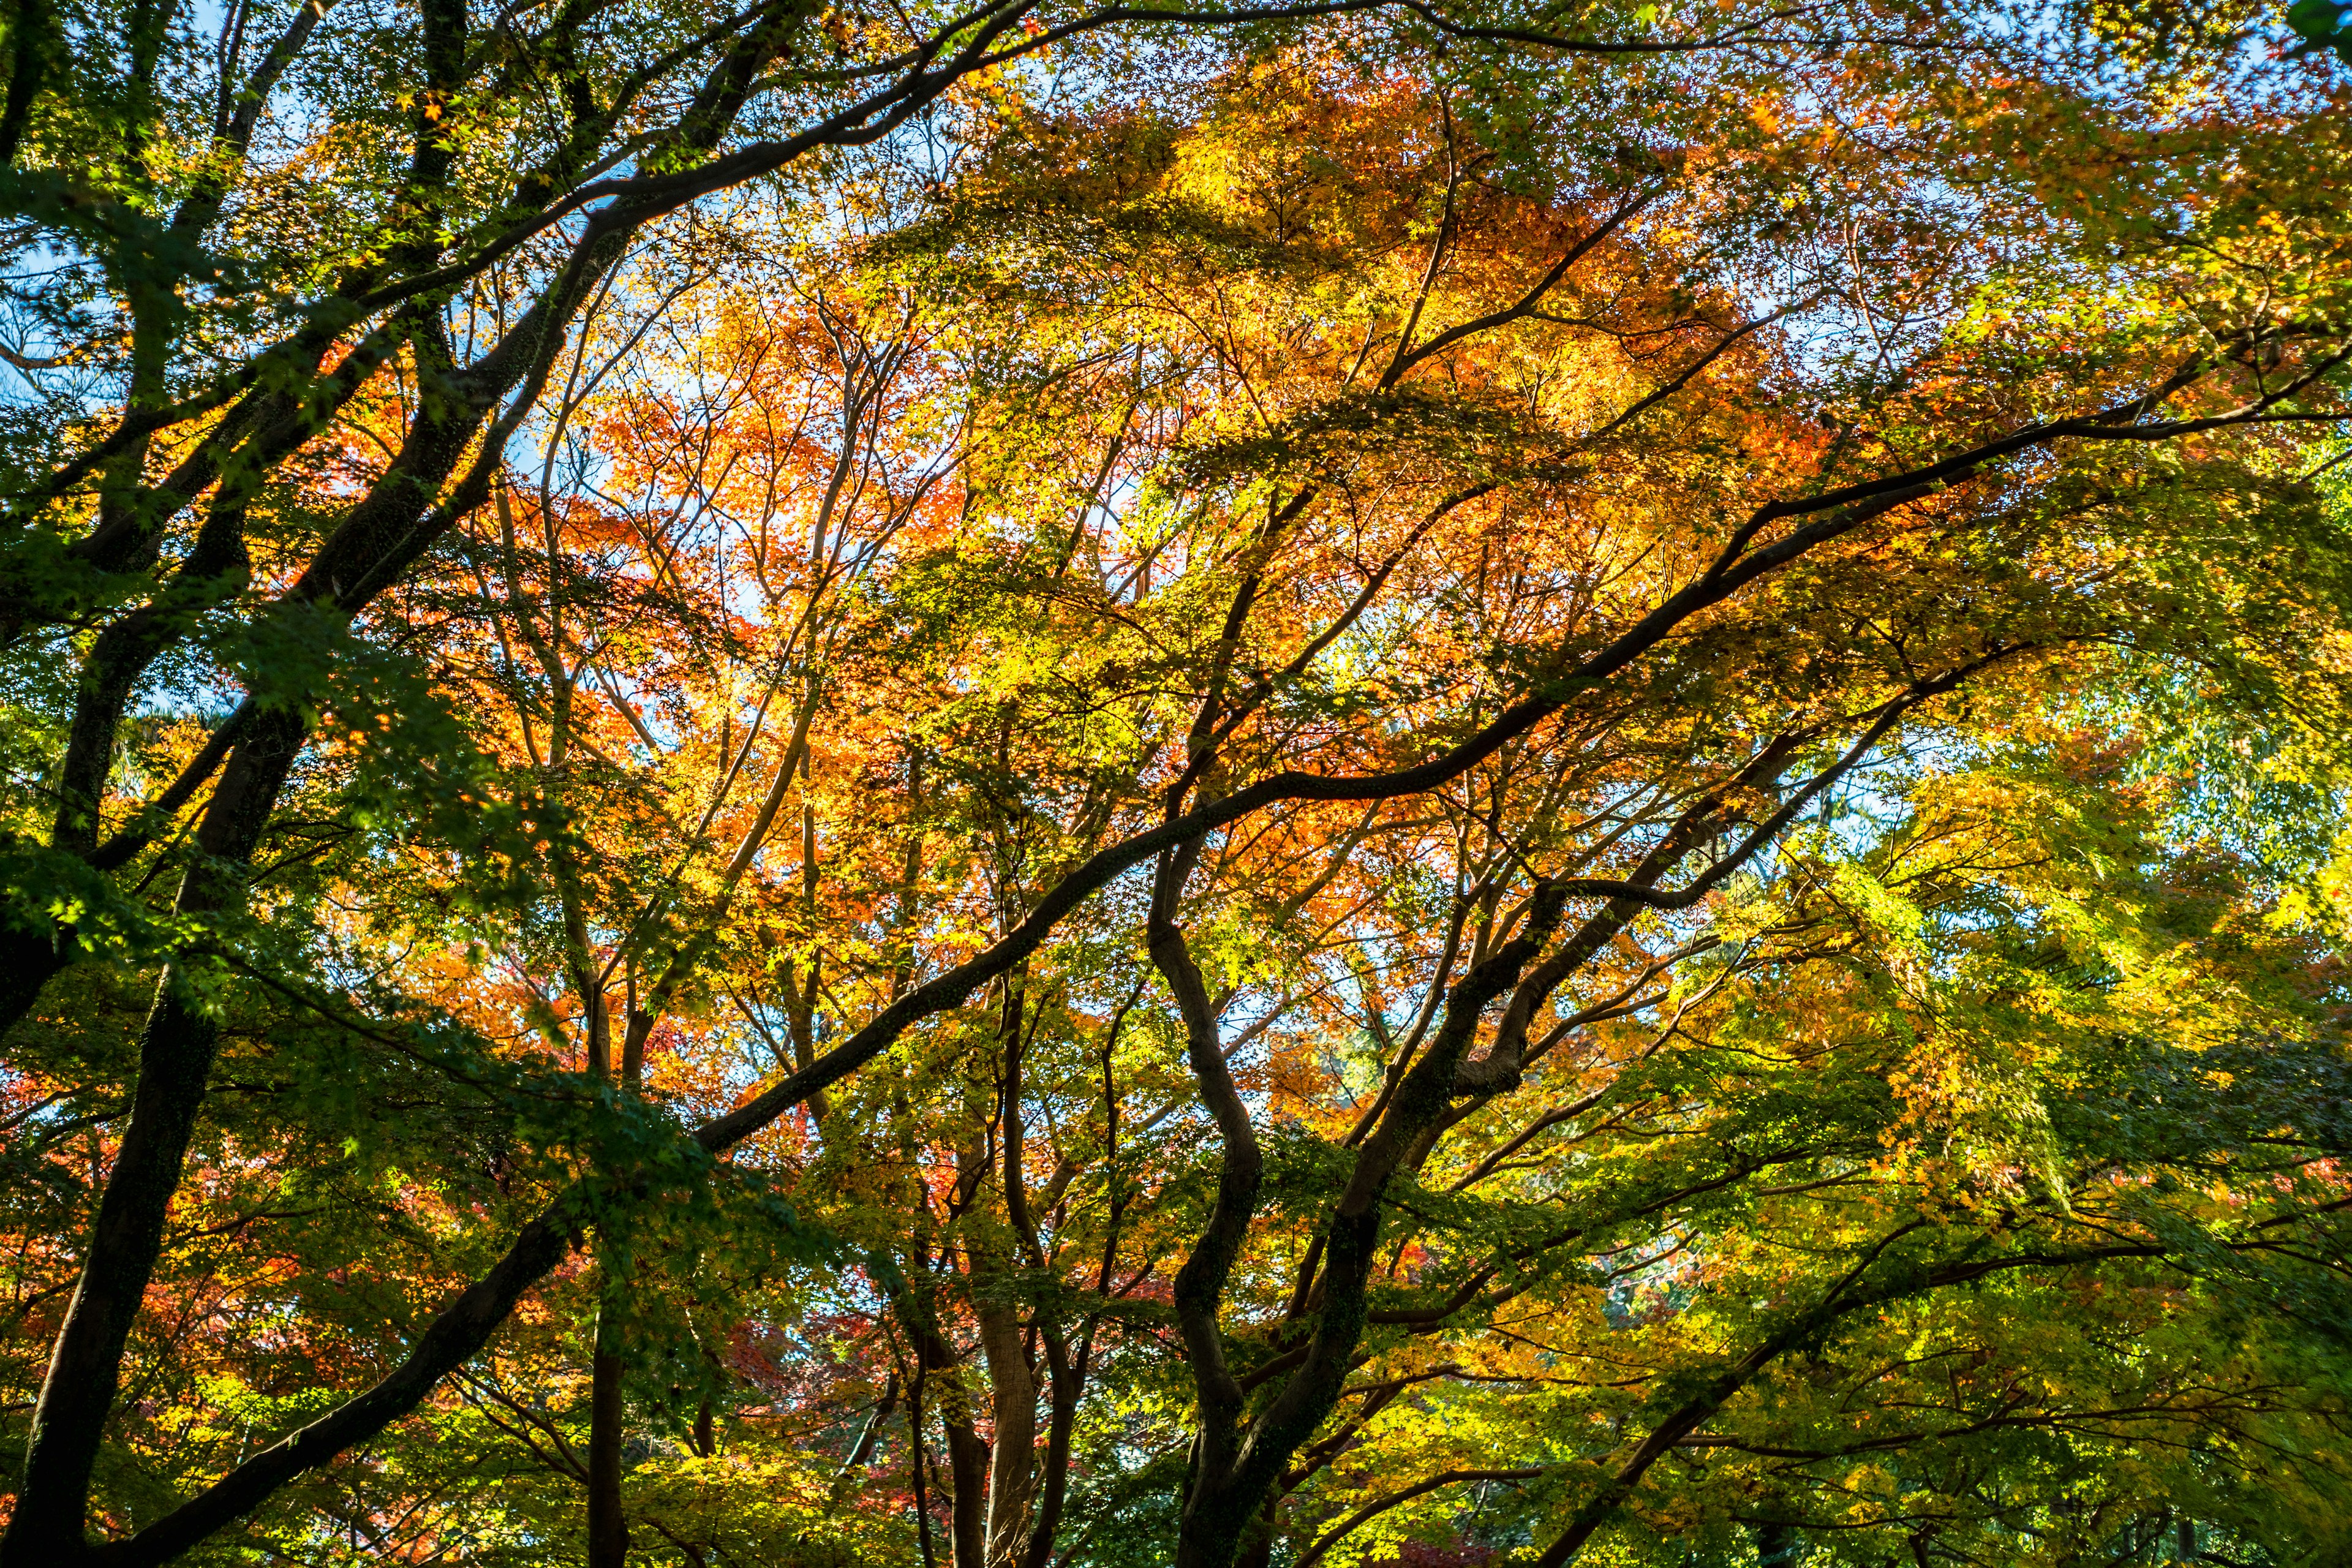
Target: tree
pixel 1277 762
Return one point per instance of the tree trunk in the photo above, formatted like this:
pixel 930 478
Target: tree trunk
pixel 1012 1474
pixel 1235 1473
pixel 26 963
pixel 967 1475
pixel 915 1468
pixel 935 1359
pixel 608 1528
pixel 175 1059
pixel 176 1056
pixel 1068 1378
pixel 608 1524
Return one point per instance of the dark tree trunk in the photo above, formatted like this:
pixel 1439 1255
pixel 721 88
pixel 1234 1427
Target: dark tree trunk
pixel 968 1473
pixel 175 1059
pixel 1066 1380
pixel 27 962
pixel 608 1527
pixel 175 1055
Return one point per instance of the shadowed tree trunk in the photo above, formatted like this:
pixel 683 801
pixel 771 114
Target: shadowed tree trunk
pixel 175 1059
pixel 608 1527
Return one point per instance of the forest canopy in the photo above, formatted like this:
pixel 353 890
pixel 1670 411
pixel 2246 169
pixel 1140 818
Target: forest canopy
pixel 1080 784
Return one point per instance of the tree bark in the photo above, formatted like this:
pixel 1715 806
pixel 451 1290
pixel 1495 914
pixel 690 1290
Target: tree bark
pixel 176 1049
pixel 1235 1470
pixel 1213 1520
pixel 1067 1377
pixel 1012 1381
pixel 967 1473
pixel 968 1454
pixel 608 1527
pixel 175 1055
pixel 27 962
pixel 175 1058
pixel 1012 1473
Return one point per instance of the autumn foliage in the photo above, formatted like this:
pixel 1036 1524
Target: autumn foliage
pixel 1443 784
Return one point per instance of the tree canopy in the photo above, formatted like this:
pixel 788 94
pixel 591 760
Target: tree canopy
pixel 1357 782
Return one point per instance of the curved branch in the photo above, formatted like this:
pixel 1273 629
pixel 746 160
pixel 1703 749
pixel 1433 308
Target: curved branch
pixel 1381 1505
